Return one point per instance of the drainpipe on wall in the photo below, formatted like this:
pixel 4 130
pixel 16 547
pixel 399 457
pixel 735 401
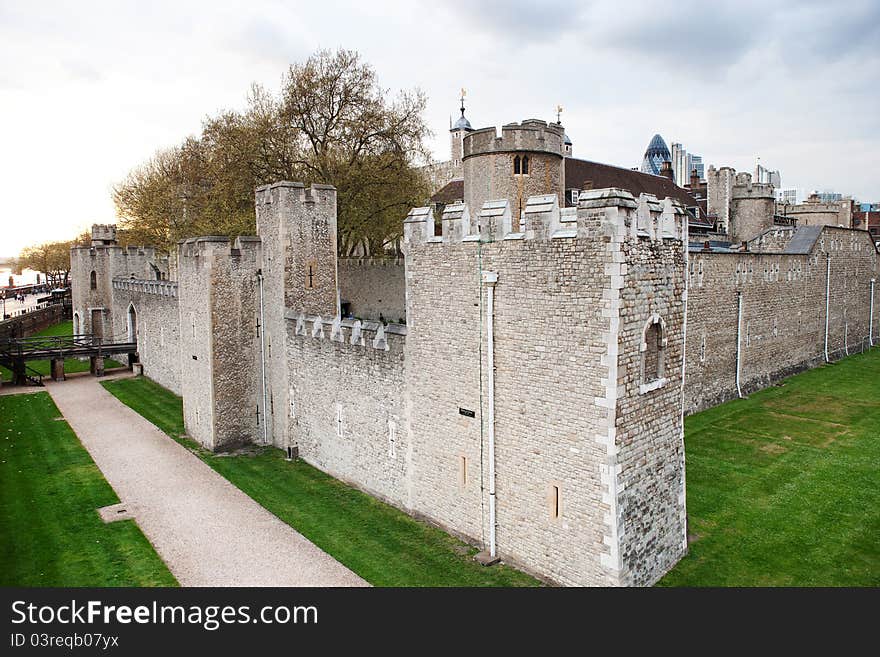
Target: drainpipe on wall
pixel 871 317
pixel 739 326
pixel 827 300
pixel 489 279
pixel 263 359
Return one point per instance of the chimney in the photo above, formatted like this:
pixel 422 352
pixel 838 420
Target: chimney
pixel 695 180
pixel 666 170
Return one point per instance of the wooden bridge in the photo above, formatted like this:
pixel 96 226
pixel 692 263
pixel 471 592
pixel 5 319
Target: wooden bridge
pixel 15 354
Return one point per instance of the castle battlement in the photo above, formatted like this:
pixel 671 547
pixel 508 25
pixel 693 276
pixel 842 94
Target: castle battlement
pixel 103 234
pixel 371 334
pixel 745 188
pixel 218 245
pixel 543 219
pixel 287 190
pixel 160 288
pixel 532 135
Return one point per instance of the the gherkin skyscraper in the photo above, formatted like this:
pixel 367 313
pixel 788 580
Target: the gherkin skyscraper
pixel 656 154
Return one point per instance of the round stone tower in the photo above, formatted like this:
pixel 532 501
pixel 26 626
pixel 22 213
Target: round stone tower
pixel 528 159
pixel 752 206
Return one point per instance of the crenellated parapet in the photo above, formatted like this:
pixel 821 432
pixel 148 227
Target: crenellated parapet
pixel 367 334
pixel 159 288
pixel 611 211
pixel 532 135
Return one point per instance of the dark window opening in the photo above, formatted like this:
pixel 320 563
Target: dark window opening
pixel 516 165
pixel 93 280
pixel 525 164
pixel 653 353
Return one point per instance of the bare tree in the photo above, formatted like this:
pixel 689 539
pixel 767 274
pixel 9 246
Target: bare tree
pixel 330 123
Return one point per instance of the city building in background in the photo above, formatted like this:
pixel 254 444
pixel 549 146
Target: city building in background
pixel 656 154
pixel 765 175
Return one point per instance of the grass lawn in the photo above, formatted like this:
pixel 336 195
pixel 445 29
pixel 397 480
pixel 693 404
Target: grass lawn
pixel 50 532
pixel 783 488
pixel 378 542
pixel 71 365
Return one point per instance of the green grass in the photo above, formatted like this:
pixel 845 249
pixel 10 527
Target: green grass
pixel 71 365
pixel 783 488
pixel 378 542
pixel 50 532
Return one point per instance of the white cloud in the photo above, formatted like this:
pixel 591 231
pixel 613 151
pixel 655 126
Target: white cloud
pixel 88 91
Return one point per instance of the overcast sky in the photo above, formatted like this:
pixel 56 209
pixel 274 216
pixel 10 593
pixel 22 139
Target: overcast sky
pixel 90 89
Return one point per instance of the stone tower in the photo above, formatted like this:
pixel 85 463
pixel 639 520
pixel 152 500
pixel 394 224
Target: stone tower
pixel 297 227
pixel 752 206
pixel 528 159
pixel 457 132
pixel 719 187
pixel 92 270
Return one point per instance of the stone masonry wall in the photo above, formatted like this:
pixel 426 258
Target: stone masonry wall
pixel 219 341
pixel 348 410
pixel 649 423
pixel 783 324
pixel 297 228
pixel 373 287
pixel 108 262
pixel 555 411
pixel 32 322
pixel 158 326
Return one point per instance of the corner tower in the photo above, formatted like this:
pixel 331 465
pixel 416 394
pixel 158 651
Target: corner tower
pixel 528 159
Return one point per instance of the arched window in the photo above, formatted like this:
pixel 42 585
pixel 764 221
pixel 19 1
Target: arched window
pixel 93 280
pixel 653 350
pixel 516 165
pixel 525 164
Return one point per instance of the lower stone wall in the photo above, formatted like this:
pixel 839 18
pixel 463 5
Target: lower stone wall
pixel 783 314
pixel 157 314
pixel 373 287
pixel 32 322
pixel 348 415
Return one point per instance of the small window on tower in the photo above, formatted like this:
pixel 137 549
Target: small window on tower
pixel 93 280
pixel 525 164
pixel 516 165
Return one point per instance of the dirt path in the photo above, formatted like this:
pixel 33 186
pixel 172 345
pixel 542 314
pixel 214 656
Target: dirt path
pixel 206 530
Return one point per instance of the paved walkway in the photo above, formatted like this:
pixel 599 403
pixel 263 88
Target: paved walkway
pixel 207 531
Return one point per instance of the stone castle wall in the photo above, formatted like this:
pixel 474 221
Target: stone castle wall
pixel 108 262
pixel 297 226
pixel 218 292
pixel 783 313
pixel 557 317
pixel 590 336
pixel 158 326
pixel 815 213
pixel 373 288
pixel 347 411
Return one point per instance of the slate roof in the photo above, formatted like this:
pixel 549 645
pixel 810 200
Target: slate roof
pixel 803 239
pixel 584 174
pixel 450 193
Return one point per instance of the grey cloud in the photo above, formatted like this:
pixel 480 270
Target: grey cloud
pixel 523 21
pixel 268 40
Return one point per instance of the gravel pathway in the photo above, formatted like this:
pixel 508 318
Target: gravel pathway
pixel 206 530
